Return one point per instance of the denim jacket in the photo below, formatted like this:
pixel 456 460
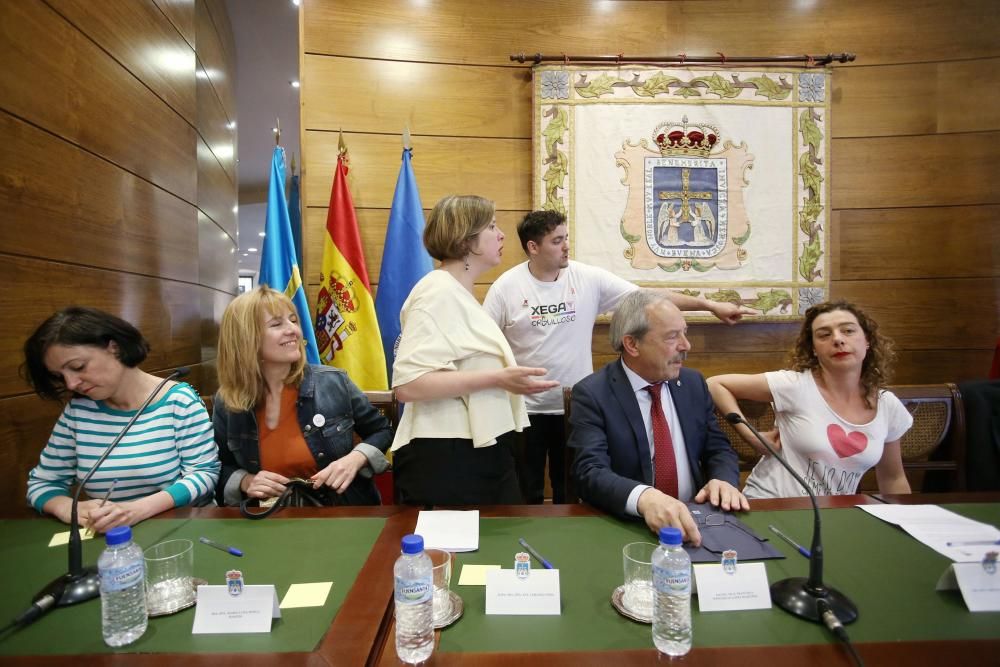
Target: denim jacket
pixel 324 392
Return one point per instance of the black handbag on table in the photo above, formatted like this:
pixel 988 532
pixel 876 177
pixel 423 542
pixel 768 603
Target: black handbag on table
pixel 298 493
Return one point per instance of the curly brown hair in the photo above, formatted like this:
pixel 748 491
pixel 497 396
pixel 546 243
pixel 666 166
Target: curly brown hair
pixel 876 370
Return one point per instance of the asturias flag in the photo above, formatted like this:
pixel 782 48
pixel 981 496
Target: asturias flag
pixel 346 328
pixel 404 259
pixel 279 269
pixel 295 213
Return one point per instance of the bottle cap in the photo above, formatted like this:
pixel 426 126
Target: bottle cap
pixel 118 535
pixel 413 544
pixel 670 535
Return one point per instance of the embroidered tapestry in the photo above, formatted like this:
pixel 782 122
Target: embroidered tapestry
pixel 713 182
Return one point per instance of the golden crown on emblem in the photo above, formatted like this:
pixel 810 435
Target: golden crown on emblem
pixel 683 139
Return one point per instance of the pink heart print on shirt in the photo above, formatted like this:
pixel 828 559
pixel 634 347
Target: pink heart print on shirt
pixel 846 444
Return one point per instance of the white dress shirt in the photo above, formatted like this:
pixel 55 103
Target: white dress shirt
pixel 685 481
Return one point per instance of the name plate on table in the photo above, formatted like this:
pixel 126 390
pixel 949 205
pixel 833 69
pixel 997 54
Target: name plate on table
pixel 536 595
pixel 746 588
pixel 980 588
pixel 251 611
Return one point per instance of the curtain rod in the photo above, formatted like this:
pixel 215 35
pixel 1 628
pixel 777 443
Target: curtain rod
pixel 683 59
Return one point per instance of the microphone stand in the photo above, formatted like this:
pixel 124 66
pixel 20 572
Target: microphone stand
pixel 802 596
pixel 81 583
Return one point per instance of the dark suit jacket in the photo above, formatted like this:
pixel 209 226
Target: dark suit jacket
pixel 612 452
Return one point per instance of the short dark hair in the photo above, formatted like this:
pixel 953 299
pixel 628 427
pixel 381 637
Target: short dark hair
pixel 537 224
pixel 78 325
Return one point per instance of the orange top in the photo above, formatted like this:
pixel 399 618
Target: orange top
pixel 283 449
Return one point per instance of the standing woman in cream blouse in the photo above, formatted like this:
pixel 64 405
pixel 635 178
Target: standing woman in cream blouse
pixel 456 372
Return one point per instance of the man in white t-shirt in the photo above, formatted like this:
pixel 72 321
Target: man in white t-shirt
pixel 547 308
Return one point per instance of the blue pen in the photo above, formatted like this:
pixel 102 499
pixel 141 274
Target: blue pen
pixel 973 543
pixel 221 547
pixel 546 564
pixel 798 547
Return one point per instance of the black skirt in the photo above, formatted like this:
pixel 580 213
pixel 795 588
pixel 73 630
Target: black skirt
pixel 450 471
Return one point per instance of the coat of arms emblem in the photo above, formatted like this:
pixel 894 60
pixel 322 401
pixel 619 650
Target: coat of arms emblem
pixel 685 199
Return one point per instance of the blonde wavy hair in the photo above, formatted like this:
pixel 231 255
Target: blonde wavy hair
pixel 241 381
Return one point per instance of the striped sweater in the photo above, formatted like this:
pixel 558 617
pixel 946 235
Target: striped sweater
pixel 169 448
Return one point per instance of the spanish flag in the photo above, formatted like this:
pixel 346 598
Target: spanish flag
pixel 346 328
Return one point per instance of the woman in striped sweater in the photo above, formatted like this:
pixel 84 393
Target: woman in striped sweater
pixel 167 459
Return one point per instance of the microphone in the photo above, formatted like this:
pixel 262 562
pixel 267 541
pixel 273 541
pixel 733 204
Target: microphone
pixel 798 595
pixel 81 583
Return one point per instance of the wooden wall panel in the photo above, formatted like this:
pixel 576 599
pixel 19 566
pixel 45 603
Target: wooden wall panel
pixel 217 266
pixel 935 242
pixel 25 424
pixel 181 14
pixel 213 127
pixel 218 65
pixel 926 170
pixel 918 98
pixel 958 313
pixel 398 94
pixel 216 11
pixel 891 31
pixel 915 233
pixel 87 211
pixel 165 311
pixel 888 31
pixel 88 99
pixel 445 165
pixel 216 193
pixel 162 60
pixel 481 33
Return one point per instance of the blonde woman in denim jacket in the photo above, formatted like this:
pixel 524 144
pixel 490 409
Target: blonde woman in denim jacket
pixel 277 418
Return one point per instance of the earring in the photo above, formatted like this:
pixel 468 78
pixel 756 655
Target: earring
pixel 466 262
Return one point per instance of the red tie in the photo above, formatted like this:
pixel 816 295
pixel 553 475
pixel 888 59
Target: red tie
pixel 664 465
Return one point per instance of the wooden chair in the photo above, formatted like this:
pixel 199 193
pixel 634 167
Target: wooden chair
pixel 207 400
pixel 385 402
pixel 569 483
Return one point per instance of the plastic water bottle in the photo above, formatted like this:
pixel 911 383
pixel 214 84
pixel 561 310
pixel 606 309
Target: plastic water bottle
pixel 123 588
pixel 414 602
pixel 672 601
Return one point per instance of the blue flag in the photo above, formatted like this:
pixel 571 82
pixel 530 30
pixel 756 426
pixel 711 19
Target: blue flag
pixel 279 269
pixel 295 216
pixel 404 260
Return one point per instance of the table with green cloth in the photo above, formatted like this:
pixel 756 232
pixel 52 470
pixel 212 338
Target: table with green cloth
pixel 342 545
pixel 888 574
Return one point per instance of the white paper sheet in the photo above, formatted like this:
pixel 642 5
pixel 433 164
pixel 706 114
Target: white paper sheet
pixel 954 536
pixel 451 530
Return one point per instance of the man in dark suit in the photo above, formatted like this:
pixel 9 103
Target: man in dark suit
pixel 644 429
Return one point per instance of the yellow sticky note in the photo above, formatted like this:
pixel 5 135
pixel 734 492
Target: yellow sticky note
pixel 307 595
pixel 475 575
pixel 63 538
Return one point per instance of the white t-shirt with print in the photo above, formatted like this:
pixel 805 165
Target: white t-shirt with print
pixel 829 452
pixel 551 324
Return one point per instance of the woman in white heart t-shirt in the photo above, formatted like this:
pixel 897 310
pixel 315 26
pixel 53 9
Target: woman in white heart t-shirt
pixel 834 419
